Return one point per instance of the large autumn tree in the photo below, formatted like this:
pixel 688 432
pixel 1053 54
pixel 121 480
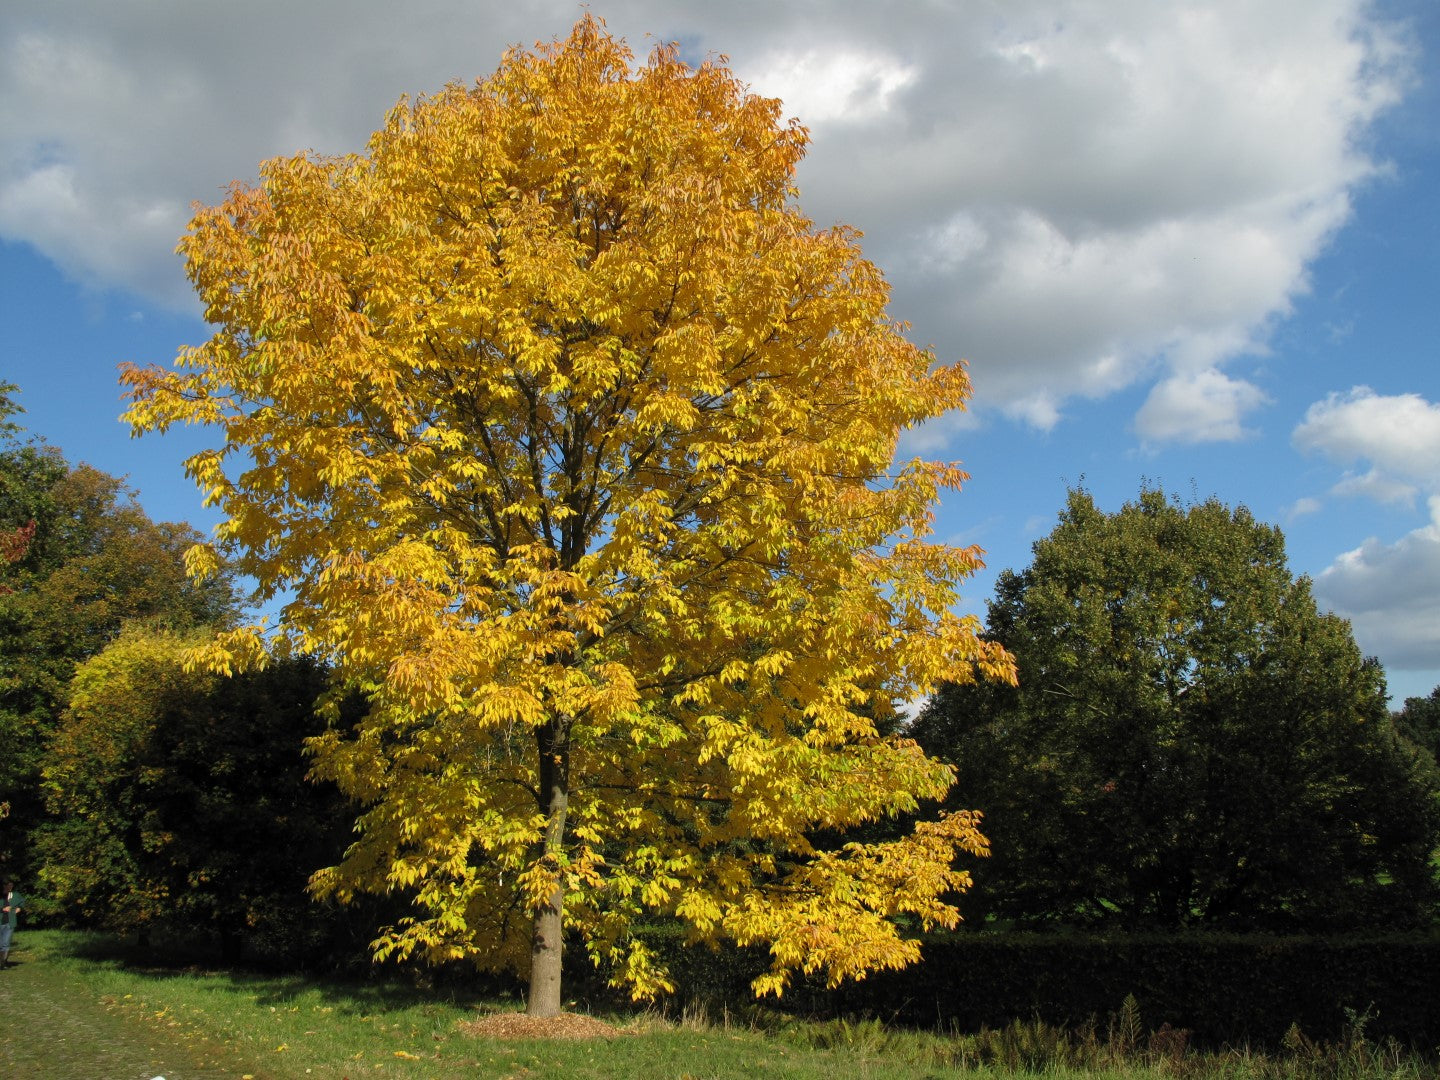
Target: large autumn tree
pixel 571 439
pixel 1192 742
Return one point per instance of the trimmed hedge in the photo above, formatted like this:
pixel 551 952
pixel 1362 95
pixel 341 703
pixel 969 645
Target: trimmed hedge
pixel 1226 989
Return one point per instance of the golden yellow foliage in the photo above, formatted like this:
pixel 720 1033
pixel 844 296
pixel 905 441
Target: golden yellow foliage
pixel 571 440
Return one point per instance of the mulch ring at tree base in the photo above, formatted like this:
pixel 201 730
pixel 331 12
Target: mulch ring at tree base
pixel 511 1025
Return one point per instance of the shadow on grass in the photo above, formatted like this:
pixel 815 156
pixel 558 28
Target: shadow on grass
pixel 373 992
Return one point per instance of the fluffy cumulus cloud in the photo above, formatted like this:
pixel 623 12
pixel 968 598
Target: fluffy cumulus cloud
pixel 1391 593
pixel 1077 197
pixel 1203 406
pixel 1390 447
pixel 1398 435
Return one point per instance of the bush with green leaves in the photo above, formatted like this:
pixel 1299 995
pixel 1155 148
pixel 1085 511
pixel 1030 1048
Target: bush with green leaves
pixel 180 799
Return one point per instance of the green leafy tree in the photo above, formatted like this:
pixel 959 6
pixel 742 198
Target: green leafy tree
pixel 179 797
pixel 82 560
pixel 28 470
pixel 1419 721
pixel 1191 741
pixel 8 407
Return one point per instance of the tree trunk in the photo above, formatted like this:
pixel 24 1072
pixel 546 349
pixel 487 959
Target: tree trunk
pixel 546 955
pixel 547 943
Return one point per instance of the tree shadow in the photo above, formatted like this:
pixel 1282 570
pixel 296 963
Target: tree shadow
pixel 376 990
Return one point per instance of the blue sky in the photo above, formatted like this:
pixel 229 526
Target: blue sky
pixel 1192 243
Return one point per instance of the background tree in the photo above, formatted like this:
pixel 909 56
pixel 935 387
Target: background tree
pixel 1191 741
pixel 9 407
pixel 28 470
pixel 573 439
pixel 1419 721
pixel 90 561
pixel 179 798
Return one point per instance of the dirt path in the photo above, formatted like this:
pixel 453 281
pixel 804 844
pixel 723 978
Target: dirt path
pixel 55 1028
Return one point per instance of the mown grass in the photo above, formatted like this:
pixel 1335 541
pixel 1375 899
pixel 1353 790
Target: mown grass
pixel 276 1027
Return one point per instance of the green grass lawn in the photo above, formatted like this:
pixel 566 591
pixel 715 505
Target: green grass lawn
pixel 73 1011
pixel 74 1006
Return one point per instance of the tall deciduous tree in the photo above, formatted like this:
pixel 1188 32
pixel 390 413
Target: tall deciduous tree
pixel 573 439
pixel 1191 741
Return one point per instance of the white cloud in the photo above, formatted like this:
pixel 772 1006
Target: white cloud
pixel 1040 409
pixel 1303 507
pixel 1389 591
pixel 931 439
pixel 825 86
pixel 1206 406
pixel 1144 184
pixel 1375 485
pixel 1077 197
pixel 1391 595
pixel 1399 433
pixel 47 207
pixel 119 116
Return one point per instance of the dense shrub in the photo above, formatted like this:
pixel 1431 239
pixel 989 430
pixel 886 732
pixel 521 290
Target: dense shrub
pixel 1224 989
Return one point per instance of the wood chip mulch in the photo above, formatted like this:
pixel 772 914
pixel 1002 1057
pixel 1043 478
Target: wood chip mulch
pixel 520 1026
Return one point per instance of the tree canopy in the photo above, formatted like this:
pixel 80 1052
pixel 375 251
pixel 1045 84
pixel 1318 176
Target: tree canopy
pixel 1419 721
pixel 571 439
pixel 79 559
pixel 1191 740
